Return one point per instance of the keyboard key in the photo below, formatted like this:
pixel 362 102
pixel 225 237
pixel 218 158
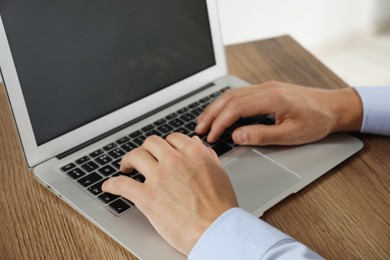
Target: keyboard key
pixel 122 140
pixel 109 147
pixel 187 117
pixel 76 173
pixel 68 167
pixel 103 159
pixel 268 121
pixel 117 163
pixel 176 123
pixel 139 177
pixel 128 146
pixel 182 130
pixel 96 189
pixel 193 105
pixel 96 153
pixel 107 197
pixel 116 153
pixel 231 128
pixel 182 110
pixel 171 116
pixel 204 100
pixel 197 111
pixel 119 206
pixel 107 170
pixel 90 179
pixel 90 166
pixel 160 122
pixel 147 128
pixel 165 129
pixel 153 132
pixel 191 126
pixel 128 201
pixel 135 134
pixel 130 174
pixel 140 140
pixel 127 174
pixel 215 94
pixel 82 160
pixel 230 142
pixel 204 139
pixel 221 149
pixel 204 106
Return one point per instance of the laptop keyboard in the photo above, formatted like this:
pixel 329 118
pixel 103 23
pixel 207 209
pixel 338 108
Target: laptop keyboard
pixel 91 170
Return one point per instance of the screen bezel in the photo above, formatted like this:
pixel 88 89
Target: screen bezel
pixel 36 154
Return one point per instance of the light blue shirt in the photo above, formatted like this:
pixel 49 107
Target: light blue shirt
pixel 376 109
pixel 236 234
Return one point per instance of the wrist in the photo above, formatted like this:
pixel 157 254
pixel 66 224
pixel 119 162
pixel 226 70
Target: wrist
pixel 347 108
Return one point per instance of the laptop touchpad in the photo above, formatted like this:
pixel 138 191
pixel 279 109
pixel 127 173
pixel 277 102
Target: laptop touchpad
pixel 257 180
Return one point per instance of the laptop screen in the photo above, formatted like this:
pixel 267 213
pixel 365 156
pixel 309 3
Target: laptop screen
pixel 80 60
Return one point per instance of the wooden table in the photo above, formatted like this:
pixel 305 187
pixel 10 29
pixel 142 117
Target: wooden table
pixel 343 215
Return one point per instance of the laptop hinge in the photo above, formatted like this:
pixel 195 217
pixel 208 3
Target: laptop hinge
pixel 100 137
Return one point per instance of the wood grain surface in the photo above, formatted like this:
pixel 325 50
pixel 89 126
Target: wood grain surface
pixel 343 215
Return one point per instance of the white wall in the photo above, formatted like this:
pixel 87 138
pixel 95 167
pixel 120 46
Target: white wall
pixel 311 22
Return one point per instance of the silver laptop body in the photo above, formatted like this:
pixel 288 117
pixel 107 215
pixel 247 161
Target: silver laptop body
pixel 60 65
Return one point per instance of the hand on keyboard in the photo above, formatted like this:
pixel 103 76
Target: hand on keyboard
pixel 185 190
pixel 301 114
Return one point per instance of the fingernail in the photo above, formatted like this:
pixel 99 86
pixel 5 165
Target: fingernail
pixel 241 137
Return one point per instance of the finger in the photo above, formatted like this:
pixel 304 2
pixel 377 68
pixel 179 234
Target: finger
pixel 139 159
pixel 211 112
pixel 179 141
pixel 157 147
pixel 264 135
pixel 123 186
pixel 187 145
pixel 198 140
pixel 205 119
pixel 244 106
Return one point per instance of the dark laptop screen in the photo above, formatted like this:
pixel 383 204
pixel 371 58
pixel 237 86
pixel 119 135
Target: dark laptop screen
pixel 78 60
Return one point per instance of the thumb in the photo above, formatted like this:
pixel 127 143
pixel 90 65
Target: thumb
pixel 262 135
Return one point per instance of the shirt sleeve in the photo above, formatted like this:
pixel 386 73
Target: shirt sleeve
pixel 376 109
pixel 237 234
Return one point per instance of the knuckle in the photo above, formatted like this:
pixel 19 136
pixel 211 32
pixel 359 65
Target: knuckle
pixel 233 108
pixel 194 149
pixel 150 139
pixel 175 135
pixel 272 83
pixel 228 95
pixel 172 157
pixel 136 152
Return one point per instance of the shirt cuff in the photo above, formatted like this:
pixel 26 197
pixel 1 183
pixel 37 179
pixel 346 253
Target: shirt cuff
pixel 236 234
pixel 376 109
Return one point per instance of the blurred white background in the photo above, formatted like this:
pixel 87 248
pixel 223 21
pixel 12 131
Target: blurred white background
pixel 352 37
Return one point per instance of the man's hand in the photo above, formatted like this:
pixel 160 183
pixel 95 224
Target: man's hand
pixel 302 114
pixel 186 187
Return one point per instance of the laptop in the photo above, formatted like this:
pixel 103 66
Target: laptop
pixel 88 81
